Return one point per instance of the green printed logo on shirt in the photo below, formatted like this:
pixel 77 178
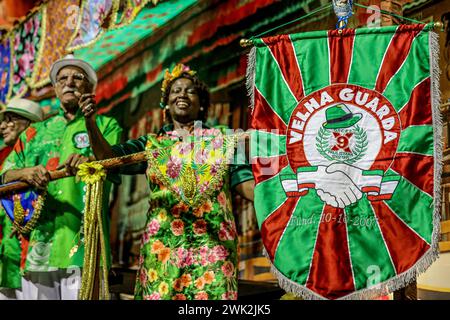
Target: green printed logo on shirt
pixel 81 140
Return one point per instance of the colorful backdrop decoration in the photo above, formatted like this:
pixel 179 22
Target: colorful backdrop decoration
pixel 129 10
pixel 59 17
pixel 51 31
pixel 192 34
pixel 5 69
pixel 90 24
pixel 192 39
pixel 138 75
pixel 347 157
pixel 26 45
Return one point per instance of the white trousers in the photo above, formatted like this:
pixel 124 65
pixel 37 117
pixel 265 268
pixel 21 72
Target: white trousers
pixel 62 284
pixel 10 294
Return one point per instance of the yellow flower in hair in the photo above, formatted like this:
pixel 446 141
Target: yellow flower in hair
pixel 177 71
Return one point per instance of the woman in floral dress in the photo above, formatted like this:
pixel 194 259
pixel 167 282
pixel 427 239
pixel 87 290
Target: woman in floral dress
pixel 189 247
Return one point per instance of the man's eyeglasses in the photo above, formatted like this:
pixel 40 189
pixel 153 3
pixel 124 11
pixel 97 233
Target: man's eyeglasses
pixel 77 77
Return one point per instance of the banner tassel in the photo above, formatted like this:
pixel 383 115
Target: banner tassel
pixel 250 76
pixel 438 139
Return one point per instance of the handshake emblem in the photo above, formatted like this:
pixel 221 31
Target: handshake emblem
pixel 339 184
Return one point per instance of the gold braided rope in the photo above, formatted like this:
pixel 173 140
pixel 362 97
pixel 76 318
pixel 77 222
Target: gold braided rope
pixel 93 174
pixel 104 292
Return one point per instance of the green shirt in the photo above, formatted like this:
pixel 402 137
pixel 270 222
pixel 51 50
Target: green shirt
pixel 10 250
pixel 59 228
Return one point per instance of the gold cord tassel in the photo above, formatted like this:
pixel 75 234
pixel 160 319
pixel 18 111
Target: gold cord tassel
pixel 93 175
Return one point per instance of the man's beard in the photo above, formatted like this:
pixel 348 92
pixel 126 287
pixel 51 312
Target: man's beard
pixel 69 106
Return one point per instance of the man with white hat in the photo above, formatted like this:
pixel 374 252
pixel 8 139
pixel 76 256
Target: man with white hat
pixel 15 118
pixel 56 251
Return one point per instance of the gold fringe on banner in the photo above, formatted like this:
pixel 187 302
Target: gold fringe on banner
pixel 93 174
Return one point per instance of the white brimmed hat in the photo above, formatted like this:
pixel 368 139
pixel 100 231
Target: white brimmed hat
pixel 25 108
pixel 70 60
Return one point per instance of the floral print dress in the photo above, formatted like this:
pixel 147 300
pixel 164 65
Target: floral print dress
pixel 189 247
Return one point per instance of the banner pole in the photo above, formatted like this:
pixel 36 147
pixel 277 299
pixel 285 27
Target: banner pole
pixel 59 174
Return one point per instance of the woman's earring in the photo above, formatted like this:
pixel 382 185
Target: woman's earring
pixel 166 109
pixel 201 109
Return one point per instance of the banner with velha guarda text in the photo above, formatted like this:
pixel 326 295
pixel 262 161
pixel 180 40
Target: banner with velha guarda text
pixel 346 151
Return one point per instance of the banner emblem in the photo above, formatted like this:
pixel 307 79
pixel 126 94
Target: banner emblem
pixel 346 134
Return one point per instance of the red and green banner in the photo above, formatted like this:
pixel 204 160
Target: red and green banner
pixel 346 150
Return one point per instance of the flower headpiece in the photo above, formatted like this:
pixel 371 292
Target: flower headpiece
pixel 177 71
